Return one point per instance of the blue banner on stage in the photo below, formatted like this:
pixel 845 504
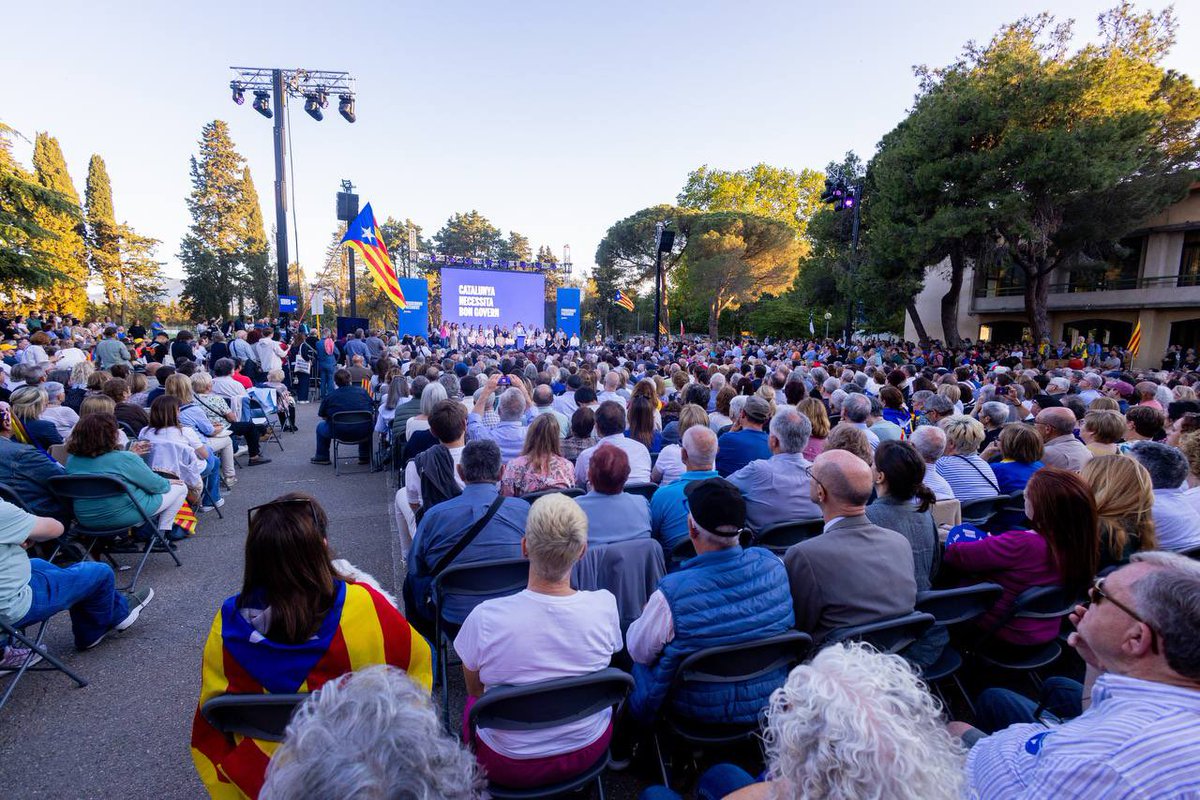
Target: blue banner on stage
pixel 568 311
pixel 414 314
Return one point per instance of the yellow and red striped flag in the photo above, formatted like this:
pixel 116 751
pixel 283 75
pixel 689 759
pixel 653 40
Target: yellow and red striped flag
pixel 623 300
pixel 363 235
pixel 1135 340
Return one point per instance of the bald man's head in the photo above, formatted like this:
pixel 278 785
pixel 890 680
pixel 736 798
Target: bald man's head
pixel 845 477
pixel 1060 421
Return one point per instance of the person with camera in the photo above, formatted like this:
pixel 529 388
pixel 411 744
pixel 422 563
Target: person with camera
pixel 513 408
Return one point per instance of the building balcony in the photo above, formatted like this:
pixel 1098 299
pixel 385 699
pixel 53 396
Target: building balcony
pixel 1171 291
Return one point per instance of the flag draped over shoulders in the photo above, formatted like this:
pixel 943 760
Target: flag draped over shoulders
pixel 361 629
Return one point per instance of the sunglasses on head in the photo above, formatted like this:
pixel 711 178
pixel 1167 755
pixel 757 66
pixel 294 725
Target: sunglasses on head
pixel 307 501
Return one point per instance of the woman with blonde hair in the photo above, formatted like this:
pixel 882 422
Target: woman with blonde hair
pixel 28 404
pixel 969 476
pixel 814 409
pixel 77 385
pixel 852 440
pixel 1124 502
pixel 541 464
pixel 767 392
pixel 1101 431
pixel 951 392
pixel 669 466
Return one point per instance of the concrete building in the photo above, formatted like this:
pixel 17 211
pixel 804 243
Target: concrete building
pixel 1158 282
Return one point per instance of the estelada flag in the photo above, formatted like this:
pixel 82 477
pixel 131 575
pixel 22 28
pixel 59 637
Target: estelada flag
pixel 623 300
pixel 364 236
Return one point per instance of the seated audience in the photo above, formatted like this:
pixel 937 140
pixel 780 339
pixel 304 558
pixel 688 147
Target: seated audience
pixel 345 397
pixel 613 515
pixel 669 466
pixel 445 524
pixel 28 404
pixel 26 470
pixel 688 612
pixel 513 408
pixel 814 409
pixel 582 433
pixel 1101 431
pixel 1124 505
pixel 855 572
pixel 747 441
pixel 540 465
pixel 1176 522
pixel 63 417
pixel 1143 423
pixel 1062 549
pixel 1133 739
pixel 641 424
pixel 610 426
pixel 295 625
pixel 969 476
pixel 886 430
pixel 372 733
pixel 856 413
pixel 126 412
pixel 851 723
pixel 1020 455
pixel 433 475
pixel 1057 429
pixel 94 450
pixel 930 441
pixel 547 631
pixel 224 384
pixel 851 440
pixel 668 506
pixel 776 489
pixel 202 471
pixel 719 417
pixel 218 411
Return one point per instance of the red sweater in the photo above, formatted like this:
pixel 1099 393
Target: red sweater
pixel 1016 560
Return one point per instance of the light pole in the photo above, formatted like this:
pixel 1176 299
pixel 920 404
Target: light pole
pixel 664 240
pixel 275 85
pixel 828 317
pixel 844 196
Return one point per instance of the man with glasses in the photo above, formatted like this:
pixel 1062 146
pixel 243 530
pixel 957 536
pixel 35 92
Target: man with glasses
pixel 1140 702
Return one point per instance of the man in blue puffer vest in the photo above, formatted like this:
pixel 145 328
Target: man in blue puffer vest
pixel 725 595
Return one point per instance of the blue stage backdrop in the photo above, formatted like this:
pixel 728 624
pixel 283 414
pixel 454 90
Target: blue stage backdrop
pixel 568 311
pixel 493 297
pixel 414 314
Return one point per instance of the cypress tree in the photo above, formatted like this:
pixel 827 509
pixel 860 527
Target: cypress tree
pixel 258 276
pixel 211 252
pixel 23 263
pixel 103 235
pixel 66 253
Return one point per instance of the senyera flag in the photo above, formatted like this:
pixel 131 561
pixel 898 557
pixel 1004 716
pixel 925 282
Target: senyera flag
pixel 363 235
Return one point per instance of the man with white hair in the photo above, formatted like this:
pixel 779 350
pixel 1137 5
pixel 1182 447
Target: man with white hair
pixel 1141 698
pixel 1176 523
pixel 668 506
pixel 930 441
pixel 509 434
pixel 612 382
pixel 855 413
pixel 1090 387
pixel 776 489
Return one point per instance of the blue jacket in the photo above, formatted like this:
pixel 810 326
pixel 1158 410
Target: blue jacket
pixel 718 598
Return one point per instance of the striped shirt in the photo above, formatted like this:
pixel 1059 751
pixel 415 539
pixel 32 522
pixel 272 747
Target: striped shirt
pixel 1138 740
pixel 970 477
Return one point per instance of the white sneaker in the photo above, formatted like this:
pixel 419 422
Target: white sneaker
pixel 220 503
pixel 241 451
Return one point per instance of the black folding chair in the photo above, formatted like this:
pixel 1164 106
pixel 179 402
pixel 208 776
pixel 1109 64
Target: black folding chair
pixel 259 716
pixel 477 582
pixel 128 430
pixel 104 487
pixel 36 647
pixel 735 663
pixel 951 607
pixel 342 421
pixel 979 512
pixel 548 704
pixel 779 537
pixel 646 490
pixel 573 491
pixel 886 635
pixel 262 419
pixel 1038 602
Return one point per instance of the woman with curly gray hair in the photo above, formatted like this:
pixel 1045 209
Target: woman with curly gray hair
pixel 852 724
pixel 373 733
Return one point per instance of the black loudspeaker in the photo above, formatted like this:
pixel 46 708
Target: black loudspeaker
pixel 666 242
pixel 347 208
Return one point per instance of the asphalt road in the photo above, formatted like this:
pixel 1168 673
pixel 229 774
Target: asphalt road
pixel 126 734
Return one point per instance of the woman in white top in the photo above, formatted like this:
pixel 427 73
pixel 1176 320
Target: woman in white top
pixel 270 353
pixel 433 394
pixel 397 393
pixel 200 473
pixel 35 354
pixel 547 631
pixel 669 466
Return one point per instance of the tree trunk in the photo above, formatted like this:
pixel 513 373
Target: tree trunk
pixel 1037 291
pixel 714 318
pixel 922 334
pixel 950 299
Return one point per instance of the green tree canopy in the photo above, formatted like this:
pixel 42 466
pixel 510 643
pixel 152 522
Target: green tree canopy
pixel 774 192
pixel 103 235
pixel 470 234
pixel 65 251
pixel 258 275
pixel 625 256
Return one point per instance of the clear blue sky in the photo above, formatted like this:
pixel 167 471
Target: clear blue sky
pixel 556 119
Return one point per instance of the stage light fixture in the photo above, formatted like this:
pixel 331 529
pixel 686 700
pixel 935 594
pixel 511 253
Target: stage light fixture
pixel 239 95
pixel 262 103
pixel 312 107
pixel 346 107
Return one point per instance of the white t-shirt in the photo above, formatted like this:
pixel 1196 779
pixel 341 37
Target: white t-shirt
pixel 412 481
pixel 530 637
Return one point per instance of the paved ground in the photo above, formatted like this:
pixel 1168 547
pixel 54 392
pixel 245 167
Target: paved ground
pixel 126 734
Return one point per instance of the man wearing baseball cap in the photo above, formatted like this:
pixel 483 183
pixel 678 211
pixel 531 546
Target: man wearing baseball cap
pixel 747 441
pixel 723 596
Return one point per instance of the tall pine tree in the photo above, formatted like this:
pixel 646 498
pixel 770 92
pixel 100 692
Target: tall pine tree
pixel 24 265
pixel 212 251
pixel 103 235
pixel 66 253
pixel 258 278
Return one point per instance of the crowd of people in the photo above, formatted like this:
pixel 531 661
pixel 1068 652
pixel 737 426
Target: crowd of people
pixel 643 487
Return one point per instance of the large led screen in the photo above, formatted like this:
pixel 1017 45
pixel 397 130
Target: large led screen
pixel 493 297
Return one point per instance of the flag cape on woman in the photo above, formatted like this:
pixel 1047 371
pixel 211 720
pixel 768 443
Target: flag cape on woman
pixel 361 629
